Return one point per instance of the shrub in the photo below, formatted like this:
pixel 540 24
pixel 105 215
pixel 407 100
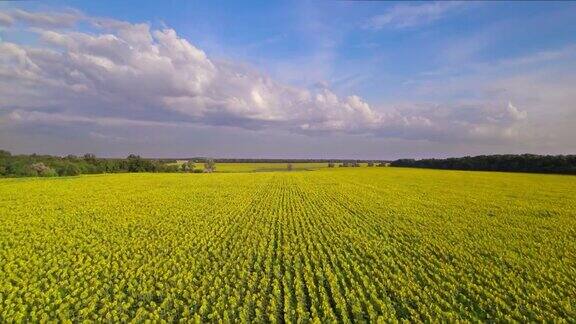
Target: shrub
pixel 49 172
pixel 69 169
pixel 42 170
pixel 169 168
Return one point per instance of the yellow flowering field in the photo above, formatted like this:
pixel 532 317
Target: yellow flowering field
pixel 331 245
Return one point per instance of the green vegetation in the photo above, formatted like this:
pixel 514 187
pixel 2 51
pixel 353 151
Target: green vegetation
pixel 562 164
pixel 48 166
pixel 35 165
pixel 336 244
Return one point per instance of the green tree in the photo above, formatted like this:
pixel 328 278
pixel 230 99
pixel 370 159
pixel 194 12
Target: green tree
pixel 90 158
pixel 68 169
pixel 209 165
pixel 43 170
pixel 4 154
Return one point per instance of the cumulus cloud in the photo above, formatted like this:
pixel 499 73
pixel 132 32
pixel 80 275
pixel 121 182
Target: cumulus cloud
pixel 130 74
pixel 409 15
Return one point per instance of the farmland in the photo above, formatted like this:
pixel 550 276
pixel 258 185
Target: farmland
pixel 264 167
pixel 343 244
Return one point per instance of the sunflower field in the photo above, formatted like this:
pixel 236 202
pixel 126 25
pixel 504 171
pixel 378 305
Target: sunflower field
pixel 331 245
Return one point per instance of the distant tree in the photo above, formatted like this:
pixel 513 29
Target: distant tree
pixel 68 169
pixel 5 154
pixel 90 158
pixel 517 163
pixel 23 171
pixel 20 165
pixel 38 167
pixel 4 161
pixel 43 170
pixel 289 167
pixel 168 168
pixel 209 166
pixel 137 164
pixel 188 166
pixel 330 164
pixel 134 163
pixel 49 173
pixel 370 163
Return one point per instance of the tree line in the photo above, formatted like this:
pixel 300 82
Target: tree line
pixel 562 164
pixel 47 165
pixel 34 165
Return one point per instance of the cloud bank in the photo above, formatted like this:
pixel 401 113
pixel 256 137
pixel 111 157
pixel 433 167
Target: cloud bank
pixel 121 74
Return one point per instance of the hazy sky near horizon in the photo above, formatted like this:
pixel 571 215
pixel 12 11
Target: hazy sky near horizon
pixel 301 79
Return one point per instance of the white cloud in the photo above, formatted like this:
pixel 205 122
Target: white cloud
pixel 25 116
pixel 5 19
pixel 123 74
pixel 43 19
pixel 410 15
pixel 515 113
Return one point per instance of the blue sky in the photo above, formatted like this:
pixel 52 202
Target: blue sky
pixel 288 79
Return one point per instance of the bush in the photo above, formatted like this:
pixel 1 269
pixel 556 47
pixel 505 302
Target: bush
pixel 22 171
pixel 169 168
pixel 69 169
pixel 48 172
pixel 43 170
